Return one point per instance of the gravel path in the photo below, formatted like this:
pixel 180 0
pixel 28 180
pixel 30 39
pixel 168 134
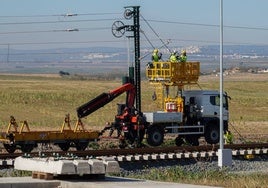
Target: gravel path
pixel 258 164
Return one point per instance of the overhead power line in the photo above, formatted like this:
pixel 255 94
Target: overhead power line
pixel 208 25
pixel 57 15
pixel 120 41
pixel 111 19
pixel 58 30
pixel 58 21
pixel 63 42
pixel 155 33
pixel 59 53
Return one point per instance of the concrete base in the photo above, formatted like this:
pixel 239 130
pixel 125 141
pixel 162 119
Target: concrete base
pixel 46 165
pixel 224 157
pixel 67 167
pixel 111 165
pixel 82 167
pixel 97 166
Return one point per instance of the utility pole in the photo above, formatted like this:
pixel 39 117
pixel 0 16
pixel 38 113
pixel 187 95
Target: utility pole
pixel 136 24
pixel 224 155
pixel 118 30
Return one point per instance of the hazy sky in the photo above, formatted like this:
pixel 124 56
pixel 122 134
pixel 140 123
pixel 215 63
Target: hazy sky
pixel 33 24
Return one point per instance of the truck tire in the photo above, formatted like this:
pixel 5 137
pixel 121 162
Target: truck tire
pixel 155 136
pixel 10 148
pixel 192 140
pixel 179 141
pixel 64 146
pixel 27 148
pixel 212 134
pixel 81 145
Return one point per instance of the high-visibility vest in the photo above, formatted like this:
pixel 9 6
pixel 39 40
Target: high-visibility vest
pixel 228 138
pixel 183 58
pixel 173 58
pixel 155 57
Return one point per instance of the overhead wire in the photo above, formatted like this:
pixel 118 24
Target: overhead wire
pixel 56 15
pixel 57 53
pixel 54 30
pixel 155 32
pixel 147 38
pixel 63 42
pixel 110 19
pixel 121 41
pixel 104 28
pixel 207 25
pixel 58 21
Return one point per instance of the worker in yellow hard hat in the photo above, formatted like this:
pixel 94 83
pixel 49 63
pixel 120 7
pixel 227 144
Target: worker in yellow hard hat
pixel 173 57
pixel 156 56
pixel 183 56
pixel 228 137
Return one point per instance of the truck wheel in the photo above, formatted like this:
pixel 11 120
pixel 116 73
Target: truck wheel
pixel 192 140
pixel 155 136
pixel 122 144
pixel 64 146
pixel 212 135
pixel 27 148
pixel 179 141
pixel 81 145
pixel 11 148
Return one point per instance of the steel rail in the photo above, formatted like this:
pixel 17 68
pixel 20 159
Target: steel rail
pixel 137 151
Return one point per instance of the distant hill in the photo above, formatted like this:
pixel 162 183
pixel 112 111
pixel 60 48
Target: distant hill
pixel 99 59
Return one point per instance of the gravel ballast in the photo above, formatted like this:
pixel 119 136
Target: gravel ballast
pixel 256 165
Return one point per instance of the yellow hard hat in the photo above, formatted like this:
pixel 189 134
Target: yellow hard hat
pixel 183 51
pixel 155 50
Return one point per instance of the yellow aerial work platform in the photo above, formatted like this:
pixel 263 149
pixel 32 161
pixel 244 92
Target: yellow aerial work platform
pixel 168 75
pixel 173 73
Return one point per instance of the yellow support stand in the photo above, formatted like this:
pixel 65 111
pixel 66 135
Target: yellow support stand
pixel 24 123
pixel 79 123
pixel 66 121
pixel 13 123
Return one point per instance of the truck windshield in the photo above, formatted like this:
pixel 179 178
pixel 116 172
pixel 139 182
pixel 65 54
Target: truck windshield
pixel 215 100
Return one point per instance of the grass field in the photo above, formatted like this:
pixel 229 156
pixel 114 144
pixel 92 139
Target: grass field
pixel 43 100
pixel 219 178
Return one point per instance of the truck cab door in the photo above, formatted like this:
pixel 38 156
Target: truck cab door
pixel 215 102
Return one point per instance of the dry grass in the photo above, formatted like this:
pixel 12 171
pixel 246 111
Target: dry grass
pixel 43 100
pixel 211 178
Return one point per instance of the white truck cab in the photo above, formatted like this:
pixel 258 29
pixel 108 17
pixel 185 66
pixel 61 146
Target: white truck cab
pixel 208 102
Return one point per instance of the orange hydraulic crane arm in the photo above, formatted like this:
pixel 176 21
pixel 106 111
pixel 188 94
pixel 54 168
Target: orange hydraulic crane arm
pixel 105 98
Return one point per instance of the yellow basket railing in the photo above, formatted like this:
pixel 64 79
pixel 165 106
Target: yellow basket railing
pixel 176 72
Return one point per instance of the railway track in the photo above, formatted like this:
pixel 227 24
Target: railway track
pixel 157 153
